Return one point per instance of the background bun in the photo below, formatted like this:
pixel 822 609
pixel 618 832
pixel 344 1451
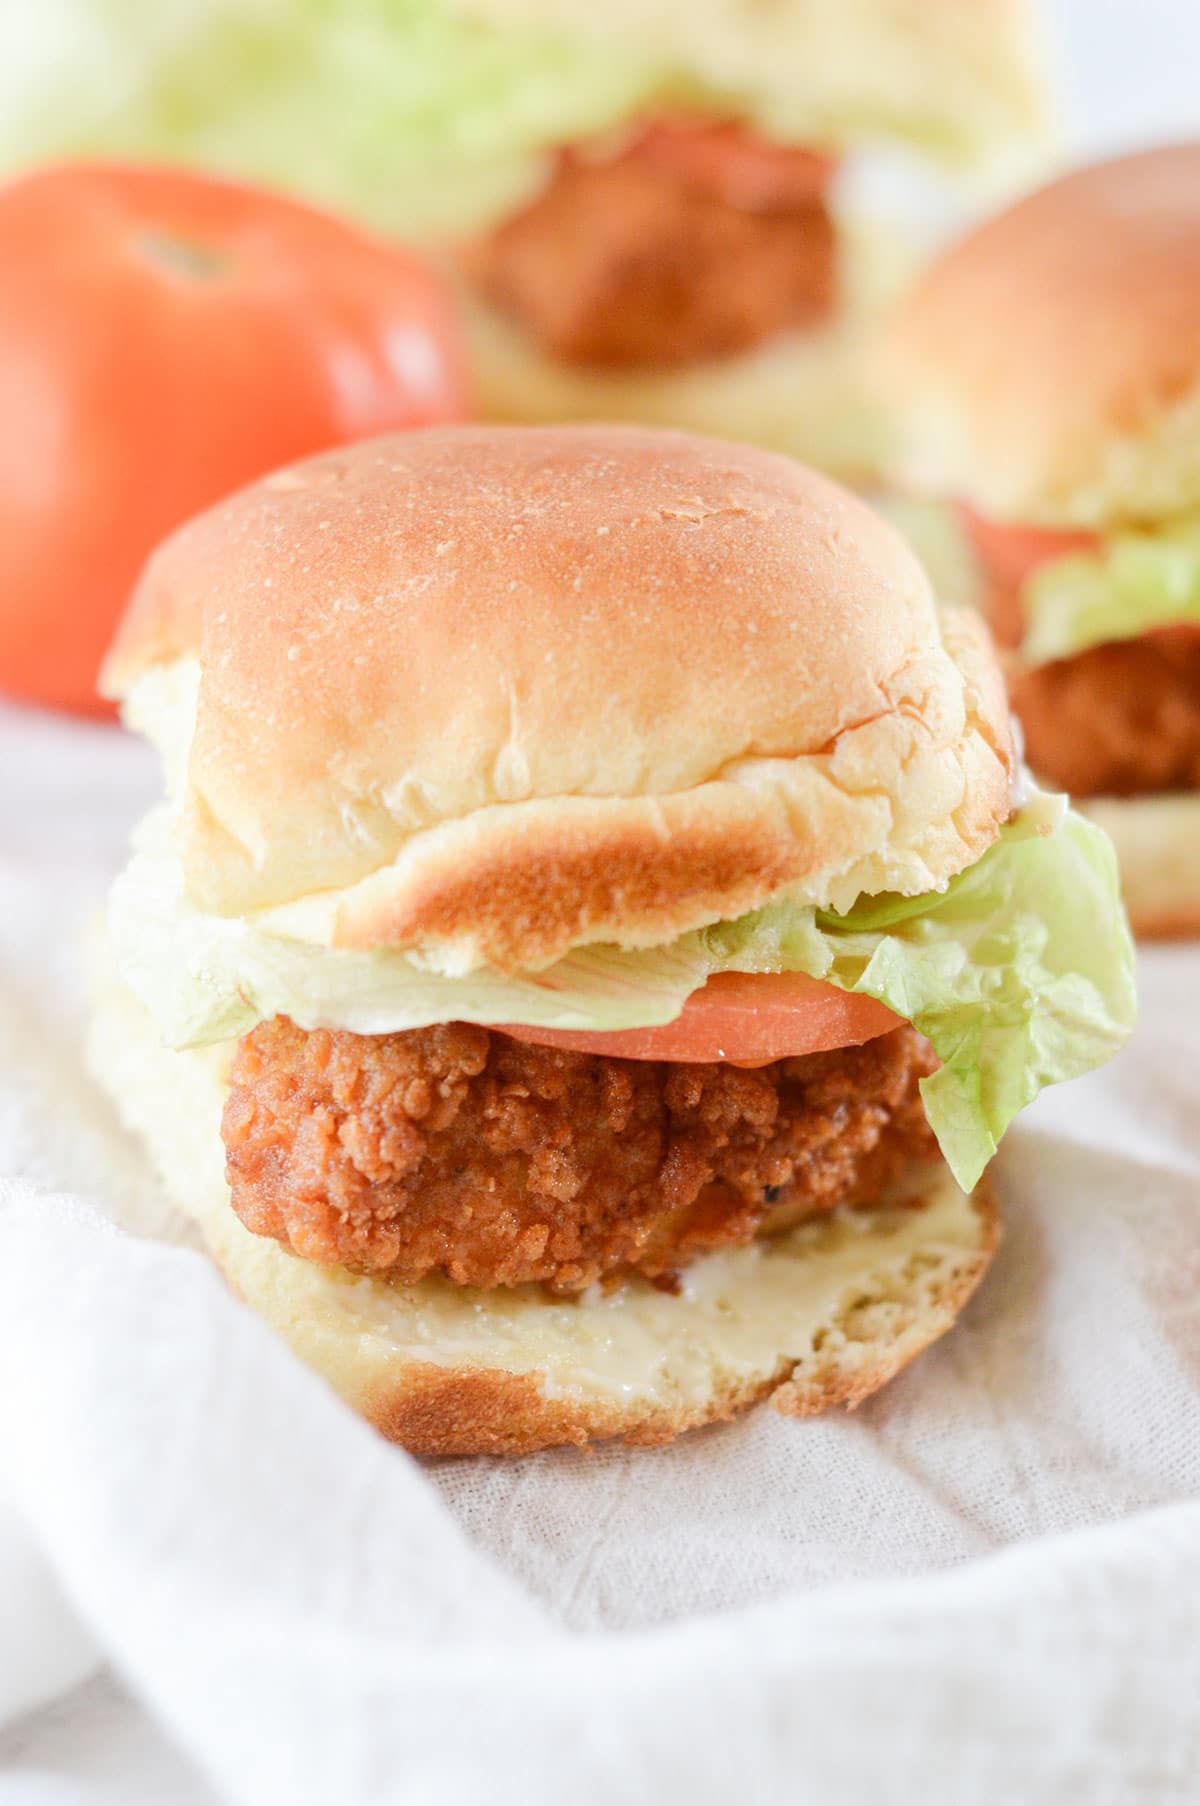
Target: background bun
pixel 1158 849
pixel 498 691
pixel 1048 366
pixel 811 393
pixel 820 1316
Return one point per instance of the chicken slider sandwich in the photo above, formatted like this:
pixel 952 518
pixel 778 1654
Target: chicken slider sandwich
pixel 1048 370
pixel 655 209
pixel 596 934
pixel 678 246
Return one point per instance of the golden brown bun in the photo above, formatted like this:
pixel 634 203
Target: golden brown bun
pixel 959 79
pixel 819 1316
pixel 1158 849
pixel 496 692
pixel 1048 366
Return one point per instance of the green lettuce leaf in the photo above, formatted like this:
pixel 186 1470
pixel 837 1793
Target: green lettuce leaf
pixel 205 977
pixel 1133 583
pixel 419 121
pixel 1020 973
pixel 392 111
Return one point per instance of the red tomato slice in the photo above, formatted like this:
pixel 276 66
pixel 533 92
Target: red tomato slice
pixel 746 1018
pixel 729 161
pixel 1013 553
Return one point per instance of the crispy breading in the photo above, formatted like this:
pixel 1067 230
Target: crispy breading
pixel 638 259
pixel 461 1151
pixel 1120 719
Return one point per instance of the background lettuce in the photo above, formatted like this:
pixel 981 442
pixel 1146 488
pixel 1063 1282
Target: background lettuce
pixel 1134 582
pixel 1020 972
pixel 389 110
pixel 427 124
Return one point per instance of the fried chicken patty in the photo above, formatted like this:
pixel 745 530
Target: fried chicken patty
pixel 1121 719
pixel 461 1151
pixel 642 259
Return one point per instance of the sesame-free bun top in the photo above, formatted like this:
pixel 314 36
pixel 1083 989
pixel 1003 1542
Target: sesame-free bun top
pixel 494 692
pixel 1048 366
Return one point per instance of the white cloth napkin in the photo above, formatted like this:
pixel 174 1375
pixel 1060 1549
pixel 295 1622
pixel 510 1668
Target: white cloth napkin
pixel 985 1585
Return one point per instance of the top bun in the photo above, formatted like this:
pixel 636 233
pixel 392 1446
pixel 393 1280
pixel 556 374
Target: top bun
pixel 1049 365
pixel 958 78
pixel 496 692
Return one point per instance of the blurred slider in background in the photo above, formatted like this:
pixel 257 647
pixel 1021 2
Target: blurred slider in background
pixel 645 205
pixel 1047 370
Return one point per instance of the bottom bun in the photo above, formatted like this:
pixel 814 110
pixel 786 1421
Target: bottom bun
pixel 809 394
pixel 821 1315
pixel 1158 849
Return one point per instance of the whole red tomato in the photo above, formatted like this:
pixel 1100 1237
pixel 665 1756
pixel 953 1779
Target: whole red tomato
pixel 164 338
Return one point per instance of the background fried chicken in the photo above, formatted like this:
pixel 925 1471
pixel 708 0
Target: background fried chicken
pixel 634 260
pixel 1121 719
